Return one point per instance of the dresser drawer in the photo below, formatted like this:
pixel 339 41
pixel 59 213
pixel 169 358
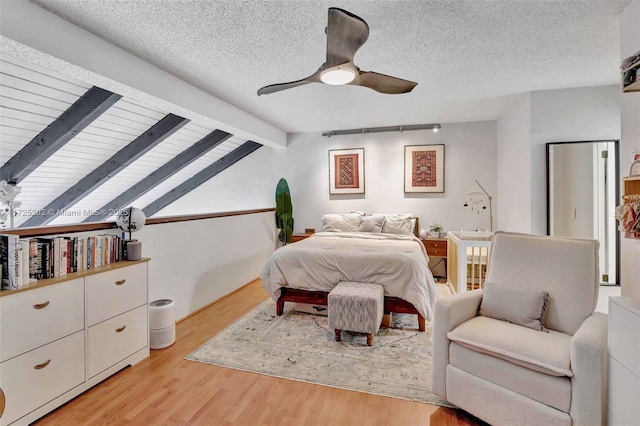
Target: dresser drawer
pixel 113 340
pixel 114 292
pixel 624 394
pixel 35 378
pixel 34 318
pixel 435 247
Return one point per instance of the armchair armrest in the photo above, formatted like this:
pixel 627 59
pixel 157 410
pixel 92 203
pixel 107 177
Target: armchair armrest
pixel 589 365
pixel 449 312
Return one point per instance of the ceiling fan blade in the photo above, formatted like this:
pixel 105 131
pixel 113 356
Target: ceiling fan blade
pixel 314 78
pixel 383 83
pixel 346 33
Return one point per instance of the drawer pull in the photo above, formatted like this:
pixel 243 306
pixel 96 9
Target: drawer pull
pixel 43 365
pixel 121 329
pixel 120 282
pixel 41 305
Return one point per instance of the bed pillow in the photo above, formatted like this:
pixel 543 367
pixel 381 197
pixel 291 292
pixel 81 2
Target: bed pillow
pixel 347 222
pixel 402 224
pixel 518 306
pixel 372 224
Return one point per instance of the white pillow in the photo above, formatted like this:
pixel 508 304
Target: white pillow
pixel 347 222
pixel 402 224
pixel 372 224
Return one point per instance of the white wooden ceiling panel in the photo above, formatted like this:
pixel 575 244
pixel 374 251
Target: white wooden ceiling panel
pixel 41 89
pixel 27 71
pixel 21 124
pixel 27 116
pixel 94 145
pixel 138 170
pixel 20 105
pixel 32 98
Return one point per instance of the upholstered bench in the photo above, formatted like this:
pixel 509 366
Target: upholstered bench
pixel 356 307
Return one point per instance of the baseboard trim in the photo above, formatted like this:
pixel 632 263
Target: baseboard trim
pixel 208 305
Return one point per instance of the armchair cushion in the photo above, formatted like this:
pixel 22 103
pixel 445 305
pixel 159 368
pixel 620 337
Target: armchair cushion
pixel 519 306
pixel 547 353
pixel 554 391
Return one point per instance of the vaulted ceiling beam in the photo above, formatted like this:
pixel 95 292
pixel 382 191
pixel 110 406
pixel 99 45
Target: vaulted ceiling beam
pixel 201 177
pixel 71 122
pixel 170 168
pixel 127 155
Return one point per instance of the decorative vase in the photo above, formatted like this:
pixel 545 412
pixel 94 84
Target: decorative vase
pixel 435 234
pixel 134 250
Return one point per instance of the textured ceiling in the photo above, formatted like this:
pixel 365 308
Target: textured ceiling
pixel 469 57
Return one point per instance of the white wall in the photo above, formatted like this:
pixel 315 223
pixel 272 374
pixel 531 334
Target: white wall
pixel 630 118
pixel 514 167
pixel 195 263
pixel 470 153
pixel 582 114
pixel 586 113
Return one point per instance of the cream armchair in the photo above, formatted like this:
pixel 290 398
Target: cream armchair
pixel 509 374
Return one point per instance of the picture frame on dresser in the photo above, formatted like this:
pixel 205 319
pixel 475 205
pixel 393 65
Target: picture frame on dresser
pixel 424 168
pixel 346 171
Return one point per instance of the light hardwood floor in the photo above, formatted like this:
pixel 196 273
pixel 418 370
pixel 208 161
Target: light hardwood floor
pixel 166 389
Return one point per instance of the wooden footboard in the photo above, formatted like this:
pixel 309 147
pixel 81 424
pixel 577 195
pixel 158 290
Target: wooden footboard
pixel 391 304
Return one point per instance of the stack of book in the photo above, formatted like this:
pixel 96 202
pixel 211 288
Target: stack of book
pixel 26 260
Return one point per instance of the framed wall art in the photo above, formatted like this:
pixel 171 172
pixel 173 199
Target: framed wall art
pixel 346 171
pixel 424 168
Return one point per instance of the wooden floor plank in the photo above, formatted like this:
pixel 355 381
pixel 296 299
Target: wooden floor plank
pixel 166 389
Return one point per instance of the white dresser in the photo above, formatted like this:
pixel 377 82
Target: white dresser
pixel 60 337
pixel 624 361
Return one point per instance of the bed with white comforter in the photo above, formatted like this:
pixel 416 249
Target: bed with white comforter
pixel 320 262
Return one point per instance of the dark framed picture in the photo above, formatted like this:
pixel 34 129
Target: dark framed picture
pixel 346 171
pixel 424 168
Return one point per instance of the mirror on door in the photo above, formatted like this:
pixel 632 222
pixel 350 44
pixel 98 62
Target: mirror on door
pixel 582 194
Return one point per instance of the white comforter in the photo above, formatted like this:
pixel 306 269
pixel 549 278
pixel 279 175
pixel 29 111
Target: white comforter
pixel 320 262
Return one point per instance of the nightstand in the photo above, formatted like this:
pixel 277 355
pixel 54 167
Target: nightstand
pixel 437 247
pixel 297 237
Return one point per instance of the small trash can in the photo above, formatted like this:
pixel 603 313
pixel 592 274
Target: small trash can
pixel 162 325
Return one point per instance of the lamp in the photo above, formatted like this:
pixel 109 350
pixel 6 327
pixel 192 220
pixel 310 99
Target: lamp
pixel 474 204
pixel 8 193
pixel 131 220
pixel 337 76
pixel 434 126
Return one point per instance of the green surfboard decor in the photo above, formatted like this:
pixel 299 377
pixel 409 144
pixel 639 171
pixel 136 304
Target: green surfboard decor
pixel 284 212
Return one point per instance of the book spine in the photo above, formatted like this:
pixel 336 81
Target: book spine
pixel 4 262
pixel 40 260
pixel 33 259
pixel 15 253
pixel 74 254
pixel 24 244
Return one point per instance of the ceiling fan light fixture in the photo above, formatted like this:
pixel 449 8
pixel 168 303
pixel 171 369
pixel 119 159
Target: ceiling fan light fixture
pixel 337 76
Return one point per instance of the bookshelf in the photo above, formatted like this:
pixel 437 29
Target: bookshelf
pixel 635 86
pixel 26 260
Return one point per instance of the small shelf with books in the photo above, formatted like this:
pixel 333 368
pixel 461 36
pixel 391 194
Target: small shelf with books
pixel 633 86
pixel 74 275
pixel 26 261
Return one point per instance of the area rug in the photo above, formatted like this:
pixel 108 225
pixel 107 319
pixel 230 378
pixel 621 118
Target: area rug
pixel 300 346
